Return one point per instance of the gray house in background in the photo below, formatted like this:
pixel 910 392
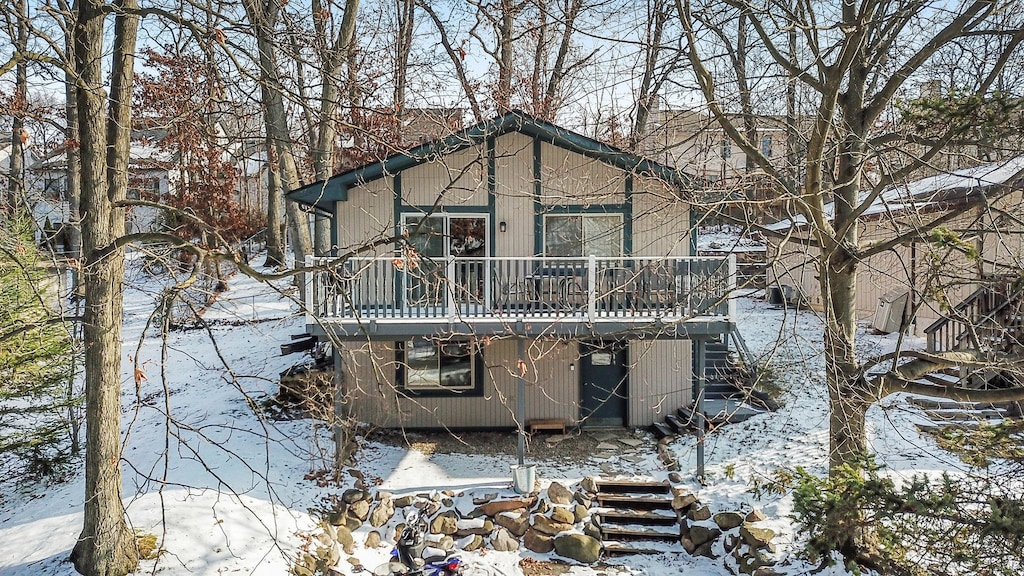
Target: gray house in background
pixel 514 252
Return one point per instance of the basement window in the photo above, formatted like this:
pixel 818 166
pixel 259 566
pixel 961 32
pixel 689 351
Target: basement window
pixel 429 367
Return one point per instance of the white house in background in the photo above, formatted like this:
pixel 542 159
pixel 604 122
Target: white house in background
pixel 152 176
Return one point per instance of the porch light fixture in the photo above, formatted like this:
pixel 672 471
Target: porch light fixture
pixel 572 367
pixel 502 226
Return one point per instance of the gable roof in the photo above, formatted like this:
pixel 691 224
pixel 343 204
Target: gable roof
pixel 323 194
pixel 948 188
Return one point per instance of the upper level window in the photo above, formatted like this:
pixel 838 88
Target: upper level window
pixel 766 146
pixel 441 367
pixel 570 235
pixel 53 188
pixel 144 189
pixel 726 148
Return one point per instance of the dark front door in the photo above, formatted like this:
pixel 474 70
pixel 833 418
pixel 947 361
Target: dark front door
pixel 604 390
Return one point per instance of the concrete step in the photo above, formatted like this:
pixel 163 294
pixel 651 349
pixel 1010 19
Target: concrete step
pixel 662 430
pixel 620 501
pixel 637 517
pixel 633 487
pixel 633 534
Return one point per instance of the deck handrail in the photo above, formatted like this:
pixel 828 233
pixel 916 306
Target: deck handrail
pixel 981 308
pixel 408 285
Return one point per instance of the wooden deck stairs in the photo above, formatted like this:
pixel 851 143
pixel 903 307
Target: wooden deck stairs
pixel 989 321
pixel 729 396
pixel 636 517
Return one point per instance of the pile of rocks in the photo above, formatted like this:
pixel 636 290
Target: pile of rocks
pixel 558 520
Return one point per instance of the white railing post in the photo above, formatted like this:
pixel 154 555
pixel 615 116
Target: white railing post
pixel 732 287
pixel 451 285
pixel 592 288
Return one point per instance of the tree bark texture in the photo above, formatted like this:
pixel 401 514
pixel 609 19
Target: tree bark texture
pixel 106 546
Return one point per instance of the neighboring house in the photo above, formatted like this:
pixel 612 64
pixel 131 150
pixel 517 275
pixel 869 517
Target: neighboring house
pixel 984 205
pixel 151 177
pixel 526 255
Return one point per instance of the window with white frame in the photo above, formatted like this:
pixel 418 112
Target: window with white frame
pixel 569 235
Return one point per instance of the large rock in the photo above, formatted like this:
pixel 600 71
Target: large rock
pixel 752 562
pixel 515 524
pixel 355 495
pixel 538 542
pixel 579 513
pixel 589 484
pixel 382 513
pixel 559 494
pixel 496 507
pixel 547 526
pixel 683 501
pixel 504 542
pixel 592 530
pixel 471 543
pixel 563 515
pixel 728 520
pixel 359 509
pixel 755 515
pixel 582 499
pixel 372 539
pixel 478 526
pixel 345 539
pixel 445 523
pixel 404 501
pixel 702 534
pixel 579 547
pixel 756 537
pixel 699 513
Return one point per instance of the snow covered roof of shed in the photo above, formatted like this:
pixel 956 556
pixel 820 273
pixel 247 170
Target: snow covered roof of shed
pixel 948 187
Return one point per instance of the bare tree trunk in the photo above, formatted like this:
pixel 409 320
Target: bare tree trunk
pixel 106 547
pixel 16 200
pixel 275 240
pixel 277 122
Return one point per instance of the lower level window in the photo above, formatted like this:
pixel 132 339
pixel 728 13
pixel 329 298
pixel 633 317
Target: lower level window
pixel 441 367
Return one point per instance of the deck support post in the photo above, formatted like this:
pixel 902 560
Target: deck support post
pixel 521 400
pixel 701 381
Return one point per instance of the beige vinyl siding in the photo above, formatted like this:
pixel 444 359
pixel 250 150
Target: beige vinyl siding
pixel 514 193
pixel 461 179
pixel 367 215
pixel 574 179
pixel 552 389
pixel 661 220
pixel 936 265
pixel 659 379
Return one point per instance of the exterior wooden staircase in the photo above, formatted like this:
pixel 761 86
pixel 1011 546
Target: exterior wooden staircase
pixel 728 393
pixel 636 517
pixel 989 321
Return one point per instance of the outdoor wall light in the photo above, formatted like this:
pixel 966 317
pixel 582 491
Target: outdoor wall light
pixel 571 367
pixel 502 226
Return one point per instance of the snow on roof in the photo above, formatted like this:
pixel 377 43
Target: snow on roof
pixel 944 187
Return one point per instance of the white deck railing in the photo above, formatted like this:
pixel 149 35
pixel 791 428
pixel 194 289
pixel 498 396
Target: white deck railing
pixel 584 289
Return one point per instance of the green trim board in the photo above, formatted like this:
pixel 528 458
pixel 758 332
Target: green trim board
pixel 323 194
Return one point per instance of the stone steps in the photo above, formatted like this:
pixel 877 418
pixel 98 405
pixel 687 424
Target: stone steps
pixel 636 517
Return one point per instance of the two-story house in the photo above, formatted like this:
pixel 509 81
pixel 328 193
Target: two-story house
pixel 511 272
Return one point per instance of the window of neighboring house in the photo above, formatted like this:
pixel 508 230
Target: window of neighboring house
pixel 53 188
pixel 439 368
pixel 766 146
pixel 568 235
pixel 144 189
pixel 726 148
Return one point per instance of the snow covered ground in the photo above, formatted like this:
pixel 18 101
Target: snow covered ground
pixel 224 489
